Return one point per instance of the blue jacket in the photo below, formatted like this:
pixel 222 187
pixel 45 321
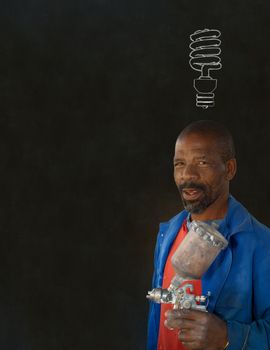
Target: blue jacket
pixel 238 279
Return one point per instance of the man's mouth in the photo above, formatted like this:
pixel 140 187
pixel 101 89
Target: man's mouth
pixel 191 194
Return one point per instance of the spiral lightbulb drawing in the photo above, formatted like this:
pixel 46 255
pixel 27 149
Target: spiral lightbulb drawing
pixel 204 57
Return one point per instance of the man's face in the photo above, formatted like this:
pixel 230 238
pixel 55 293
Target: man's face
pixel 199 172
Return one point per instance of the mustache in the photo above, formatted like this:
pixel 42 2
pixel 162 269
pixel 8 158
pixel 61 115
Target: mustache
pixel 190 184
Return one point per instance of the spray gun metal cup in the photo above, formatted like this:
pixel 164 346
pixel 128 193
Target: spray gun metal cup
pixel 198 250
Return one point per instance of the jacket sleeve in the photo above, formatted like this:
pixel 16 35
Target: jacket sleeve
pixel 252 336
pixel 256 335
pixel 154 309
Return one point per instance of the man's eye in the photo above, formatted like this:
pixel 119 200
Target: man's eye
pixel 202 162
pixel 179 164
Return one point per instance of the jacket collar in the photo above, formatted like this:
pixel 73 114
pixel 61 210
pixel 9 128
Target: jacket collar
pixel 236 220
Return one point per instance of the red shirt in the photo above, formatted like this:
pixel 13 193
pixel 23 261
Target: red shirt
pixel 168 339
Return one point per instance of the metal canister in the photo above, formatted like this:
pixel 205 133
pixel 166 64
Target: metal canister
pixel 198 250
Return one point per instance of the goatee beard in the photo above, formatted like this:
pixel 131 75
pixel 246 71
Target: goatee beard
pixel 196 206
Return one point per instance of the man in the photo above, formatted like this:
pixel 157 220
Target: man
pixel 238 314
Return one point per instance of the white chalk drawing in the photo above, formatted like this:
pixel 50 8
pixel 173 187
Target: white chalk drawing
pixel 204 57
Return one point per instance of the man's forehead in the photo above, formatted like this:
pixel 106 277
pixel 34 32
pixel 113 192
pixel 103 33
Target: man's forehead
pixel 197 144
pixel 198 152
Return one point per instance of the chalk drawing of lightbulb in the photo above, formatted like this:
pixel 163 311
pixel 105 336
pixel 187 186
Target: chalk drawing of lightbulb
pixel 204 57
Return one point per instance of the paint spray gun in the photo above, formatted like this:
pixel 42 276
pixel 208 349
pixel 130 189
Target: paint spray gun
pixel 190 261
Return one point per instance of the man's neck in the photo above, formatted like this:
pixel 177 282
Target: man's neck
pixel 216 222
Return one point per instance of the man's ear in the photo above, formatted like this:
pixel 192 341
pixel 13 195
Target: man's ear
pixel 231 167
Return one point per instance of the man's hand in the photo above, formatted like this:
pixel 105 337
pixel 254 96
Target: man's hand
pixel 198 329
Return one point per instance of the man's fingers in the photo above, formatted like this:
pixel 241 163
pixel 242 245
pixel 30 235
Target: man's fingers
pixel 194 315
pixel 189 339
pixel 190 345
pixel 179 323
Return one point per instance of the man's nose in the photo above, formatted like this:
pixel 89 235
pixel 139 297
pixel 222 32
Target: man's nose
pixel 190 172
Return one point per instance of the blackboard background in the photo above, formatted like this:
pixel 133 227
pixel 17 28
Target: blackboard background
pixel 92 97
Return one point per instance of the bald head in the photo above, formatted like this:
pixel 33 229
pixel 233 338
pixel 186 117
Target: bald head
pixel 217 132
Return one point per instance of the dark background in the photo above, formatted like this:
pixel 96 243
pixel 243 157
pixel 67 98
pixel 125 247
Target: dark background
pixel 92 97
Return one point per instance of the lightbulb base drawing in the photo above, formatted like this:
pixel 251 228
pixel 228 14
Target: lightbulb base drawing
pixel 205 88
pixel 204 58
